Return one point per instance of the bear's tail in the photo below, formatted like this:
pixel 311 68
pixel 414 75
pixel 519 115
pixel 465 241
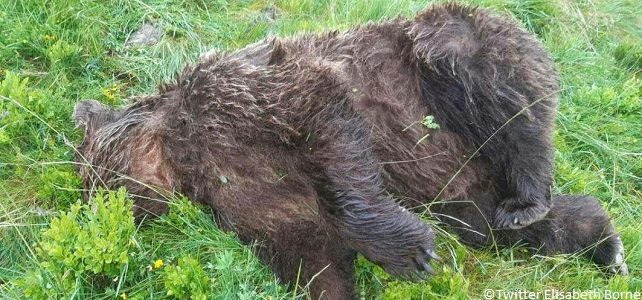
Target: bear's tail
pixel 480 70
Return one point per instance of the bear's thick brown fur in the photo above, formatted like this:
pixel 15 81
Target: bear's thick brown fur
pixel 299 143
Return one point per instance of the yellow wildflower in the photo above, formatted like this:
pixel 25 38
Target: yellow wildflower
pixel 123 296
pixel 110 94
pixel 158 264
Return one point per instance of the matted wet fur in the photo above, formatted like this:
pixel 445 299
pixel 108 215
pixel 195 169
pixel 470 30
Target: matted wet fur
pixel 300 143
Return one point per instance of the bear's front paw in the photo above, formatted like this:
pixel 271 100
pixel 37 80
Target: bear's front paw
pixel 511 216
pixel 412 258
pixel 611 253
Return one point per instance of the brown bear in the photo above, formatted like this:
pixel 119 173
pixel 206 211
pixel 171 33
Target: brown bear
pixel 312 145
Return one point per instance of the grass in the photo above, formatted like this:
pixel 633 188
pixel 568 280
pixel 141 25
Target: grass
pixel 55 53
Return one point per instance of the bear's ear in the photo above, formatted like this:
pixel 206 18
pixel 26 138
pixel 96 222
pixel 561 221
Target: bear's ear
pixel 86 110
pixel 261 54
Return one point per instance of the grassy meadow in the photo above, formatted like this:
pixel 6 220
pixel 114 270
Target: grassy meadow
pixel 54 53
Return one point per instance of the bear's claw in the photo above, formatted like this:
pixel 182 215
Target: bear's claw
pixel 618 266
pixel 509 217
pixel 415 264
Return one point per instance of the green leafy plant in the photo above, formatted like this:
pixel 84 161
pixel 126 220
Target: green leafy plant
pixel 91 239
pixel 12 88
pixel 62 53
pixel 429 122
pixel 187 280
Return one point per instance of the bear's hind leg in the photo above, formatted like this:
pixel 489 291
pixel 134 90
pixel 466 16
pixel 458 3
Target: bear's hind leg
pixel 575 224
pixel 492 83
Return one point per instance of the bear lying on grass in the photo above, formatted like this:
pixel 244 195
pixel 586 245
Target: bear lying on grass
pixel 299 143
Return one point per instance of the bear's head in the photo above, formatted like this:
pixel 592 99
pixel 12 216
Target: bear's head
pixel 124 147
